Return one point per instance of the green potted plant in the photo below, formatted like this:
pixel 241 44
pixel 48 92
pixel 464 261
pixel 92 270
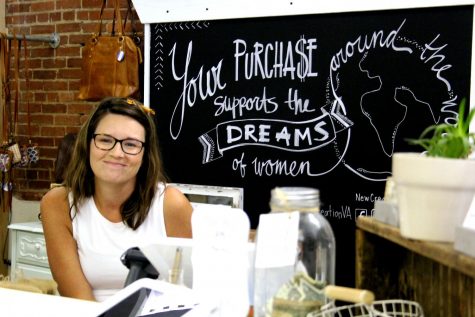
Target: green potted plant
pixel 435 188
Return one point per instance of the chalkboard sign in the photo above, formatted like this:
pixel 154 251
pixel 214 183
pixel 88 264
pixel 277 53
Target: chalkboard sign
pixel 321 100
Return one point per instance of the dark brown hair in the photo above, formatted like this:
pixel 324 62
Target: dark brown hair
pixel 65 150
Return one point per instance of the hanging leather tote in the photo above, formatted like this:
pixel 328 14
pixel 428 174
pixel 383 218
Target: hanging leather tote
pixel 110 63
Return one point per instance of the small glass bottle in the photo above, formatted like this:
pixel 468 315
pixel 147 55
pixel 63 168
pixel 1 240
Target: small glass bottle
pixel 297 289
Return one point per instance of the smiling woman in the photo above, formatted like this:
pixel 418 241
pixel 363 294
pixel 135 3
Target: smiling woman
pixel 114 197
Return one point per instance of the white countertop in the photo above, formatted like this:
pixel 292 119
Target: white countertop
pixel 16 303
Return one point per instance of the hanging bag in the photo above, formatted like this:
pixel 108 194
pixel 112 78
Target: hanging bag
pixel 110 64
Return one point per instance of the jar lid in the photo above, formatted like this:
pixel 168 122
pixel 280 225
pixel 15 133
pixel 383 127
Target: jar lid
pixel 296 193
pixel 295 197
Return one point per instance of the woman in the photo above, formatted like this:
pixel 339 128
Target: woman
pixel 114 197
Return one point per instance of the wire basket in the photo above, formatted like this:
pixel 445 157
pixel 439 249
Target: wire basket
pixel 382 308
pixel 365 306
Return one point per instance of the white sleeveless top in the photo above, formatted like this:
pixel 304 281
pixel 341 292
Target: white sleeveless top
pixel 102 242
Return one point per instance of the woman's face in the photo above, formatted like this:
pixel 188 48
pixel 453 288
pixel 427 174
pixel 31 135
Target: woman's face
pixel 115 166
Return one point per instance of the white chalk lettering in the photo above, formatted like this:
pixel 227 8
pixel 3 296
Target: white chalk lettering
pixel 206 84
pixel 278 167
pixel 274 60
pixel 439 58
pixel 377 39
pixel 239 105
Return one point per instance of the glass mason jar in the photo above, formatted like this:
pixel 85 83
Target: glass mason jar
pixel 297 290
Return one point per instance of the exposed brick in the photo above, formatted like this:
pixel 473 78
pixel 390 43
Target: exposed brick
pixel 91 3
pixel 42 119
pixel 27 19
pixel 43 17
pixel 66 96
pixel 45 174
pixel 80 108
pixel 55 63
pixel 49 152
pixel 67 27
pixel 40 96
pixel 43 163
pixel 43 6
pixel 84 118
pixel 19 173
pixel 35 107
pixel 42 141
pixel 52 131
pixel 39 184
pixel 74 62
pixel 70 73
pixel 55 85
pixel 44 74
pixel 30 195
pixel 52 97
pixel 55 16
pixel 67 120
pixel 74 130
pixel 54 108
pixel 79 39
pixel 68 4
pixel 74 85
pixel 54 77
pixel 43 52
pixel 69 16
pixel 34 62
pixel 44 29
pixel 68 51
pixel 31 174
pixel 21 130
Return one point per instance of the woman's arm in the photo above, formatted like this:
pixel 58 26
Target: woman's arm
pixel 177 212
pixel 61 247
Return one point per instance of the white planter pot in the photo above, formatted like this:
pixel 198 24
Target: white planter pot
pixel 434 194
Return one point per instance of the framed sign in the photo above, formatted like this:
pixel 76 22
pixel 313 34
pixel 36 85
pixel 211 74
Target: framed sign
pixel 320 100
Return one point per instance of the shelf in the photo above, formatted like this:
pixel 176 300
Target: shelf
pixel 443 253
pixel 439 278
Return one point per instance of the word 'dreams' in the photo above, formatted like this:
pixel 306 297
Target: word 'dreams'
pixel 285 135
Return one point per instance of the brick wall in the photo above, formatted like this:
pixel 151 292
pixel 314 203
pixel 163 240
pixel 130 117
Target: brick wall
pixel 54 76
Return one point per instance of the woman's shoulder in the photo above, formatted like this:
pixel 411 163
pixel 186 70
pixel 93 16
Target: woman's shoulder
pixel 173 194
pixel 56 197
pixel 57 192
pixel 177 212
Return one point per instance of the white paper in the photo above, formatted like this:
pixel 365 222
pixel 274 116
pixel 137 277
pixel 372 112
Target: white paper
pixel 163 297
pixel 162 256
pixel 469 221
pixel 277 239
pixel 220 259
pixel 158 302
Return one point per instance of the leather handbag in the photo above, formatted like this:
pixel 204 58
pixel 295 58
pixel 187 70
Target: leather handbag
pixel 110 63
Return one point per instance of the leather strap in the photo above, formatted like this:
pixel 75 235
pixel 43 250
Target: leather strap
pixel 27 84
pixel 3 77
pixel 6 51
pixel 14 116
pixel 99 33
pixel 135 36
pixel 117 17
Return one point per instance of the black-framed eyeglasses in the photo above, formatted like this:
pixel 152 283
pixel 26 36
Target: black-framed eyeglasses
pixel 106 143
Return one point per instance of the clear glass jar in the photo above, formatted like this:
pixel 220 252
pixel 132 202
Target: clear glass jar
pixel 297 289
